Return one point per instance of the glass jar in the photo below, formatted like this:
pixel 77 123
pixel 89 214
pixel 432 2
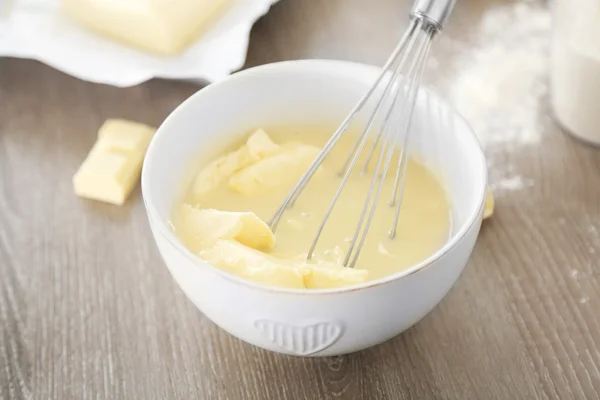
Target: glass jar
pixel 575 74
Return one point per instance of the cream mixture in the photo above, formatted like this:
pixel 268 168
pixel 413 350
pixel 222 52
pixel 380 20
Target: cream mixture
pixel 221 216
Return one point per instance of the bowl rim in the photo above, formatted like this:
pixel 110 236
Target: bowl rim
pixel 311 66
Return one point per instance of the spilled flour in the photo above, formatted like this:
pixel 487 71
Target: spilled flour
pixel 500 81
pixel 515 182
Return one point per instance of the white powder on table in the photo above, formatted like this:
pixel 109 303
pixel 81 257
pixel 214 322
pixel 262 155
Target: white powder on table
pixel 512 183
pixel 500 81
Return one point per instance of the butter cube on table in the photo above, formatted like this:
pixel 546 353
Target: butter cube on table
pixel 112 167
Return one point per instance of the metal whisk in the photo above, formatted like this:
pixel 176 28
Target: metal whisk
pixel 402 73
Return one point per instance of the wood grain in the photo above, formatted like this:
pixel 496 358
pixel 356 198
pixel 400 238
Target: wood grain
pixel 88 311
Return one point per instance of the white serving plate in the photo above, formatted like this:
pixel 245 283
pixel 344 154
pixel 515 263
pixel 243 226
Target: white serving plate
pixel 39 30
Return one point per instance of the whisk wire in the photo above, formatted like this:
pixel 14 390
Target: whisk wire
pixel 386 132
pixel 358 147
pixel 297 189
pixel 394 133
pixel 415 26
pixel 398 190
pixel 427 18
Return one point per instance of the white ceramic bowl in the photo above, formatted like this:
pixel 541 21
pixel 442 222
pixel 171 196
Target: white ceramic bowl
pixel 317 322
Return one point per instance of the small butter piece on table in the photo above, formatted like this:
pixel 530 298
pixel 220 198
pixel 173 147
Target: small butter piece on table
pixel 159 26
pixel 488 208
pixel 112 167
pixel 258 146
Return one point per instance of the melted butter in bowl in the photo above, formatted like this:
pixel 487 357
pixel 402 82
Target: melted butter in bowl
pixel 216 218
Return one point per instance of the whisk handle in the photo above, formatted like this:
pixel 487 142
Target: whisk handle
pixel 435 12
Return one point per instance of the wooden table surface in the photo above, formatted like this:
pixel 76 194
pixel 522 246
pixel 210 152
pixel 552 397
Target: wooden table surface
pixel 88 310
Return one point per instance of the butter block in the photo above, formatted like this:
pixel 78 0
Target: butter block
pixel 258 146
pixel 232 241
pixel 259 267
pixel 160 26
pixel 287 166
pixel 253 265
pixel 333 276
pixel 219 170
pixel 207 226
pixel 112 167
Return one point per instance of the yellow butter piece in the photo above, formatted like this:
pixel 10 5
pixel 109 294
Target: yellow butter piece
pixel 253 265
pixel 258 145
pixel 286 166
pixel 159 26
pixel 112 167
pixel 488 209
pixel 262 268
pixel 207 226
pixel 327 276
pixel 219 170
pixel 232 240
pixel 120 135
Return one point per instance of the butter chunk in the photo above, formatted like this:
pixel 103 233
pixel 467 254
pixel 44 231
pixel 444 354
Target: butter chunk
pixel 159 26
pixel 207 226
pixel 328 276
pixel 219 170
pixel 112 167
pixel 286 166
pixel 232 241
pixel 258 146
pixel 253 265
pixel 120 135
pixel 488 209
